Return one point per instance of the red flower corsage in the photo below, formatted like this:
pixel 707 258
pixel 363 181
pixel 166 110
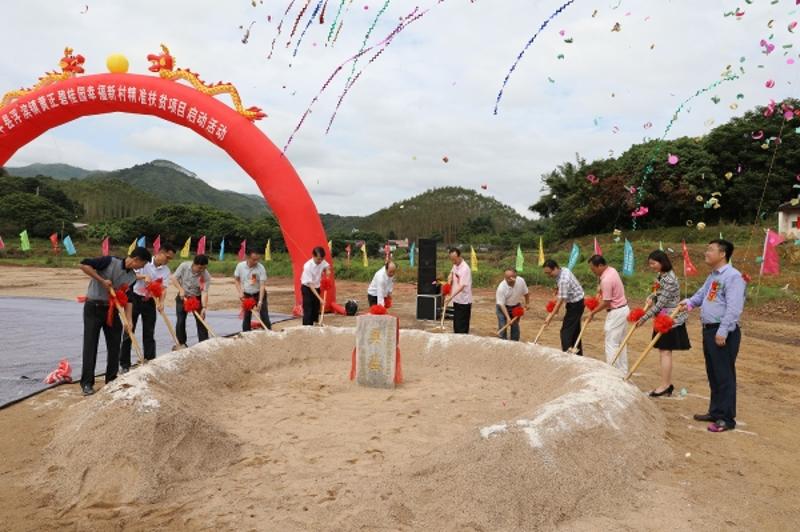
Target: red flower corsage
pixel 656 287
pixel 712 293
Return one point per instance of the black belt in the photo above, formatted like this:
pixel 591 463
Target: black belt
pixel 711 326
pixel 103 302
pixel 617 308
pixel 252 295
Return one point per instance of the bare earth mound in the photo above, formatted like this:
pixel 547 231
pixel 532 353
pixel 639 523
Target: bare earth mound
pixel 265 432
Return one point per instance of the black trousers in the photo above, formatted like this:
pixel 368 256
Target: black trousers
pixel 146 308
pixel 311 306
pixel 263 312
pixel 372 300
pixel 721 370
pixel 94 320
pixel 461 315
pixel 571 326
pixel 180 325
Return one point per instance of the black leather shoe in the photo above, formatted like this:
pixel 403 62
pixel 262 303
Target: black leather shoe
pixel 87 389
pixel 123 370
pixel 704 417
pixel 666 391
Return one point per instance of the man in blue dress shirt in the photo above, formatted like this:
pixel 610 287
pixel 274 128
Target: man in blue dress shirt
pixel 721 300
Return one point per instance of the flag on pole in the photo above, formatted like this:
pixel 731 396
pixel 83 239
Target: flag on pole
pixel 411 254
pixel 628 261
pixel 132 247
pixel 157 244
pixel 520 260
pixel 69 246
pixel 770 265
pixel 268 251
pixel 574 255
pixel 348 250
pixel 242 249
pixel 660 245
pixel 2 244
pixel 541 252
pixel 201 245
pixel 142 242
pixel 54 241
pixel 222 249
pixel 104 247
pixel 186 248
pixel 364 258
pixel 473 259
pixel 688 267
pixel 24 243
pixel 597 250
pixel 330 246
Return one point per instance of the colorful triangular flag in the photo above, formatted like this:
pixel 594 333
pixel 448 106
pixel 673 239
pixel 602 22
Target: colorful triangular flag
pixel 24 242
pixel 364 258
pixel 541 252
pixel 520 260
pixel 104 247
pixel 688 267
pixel 201 245
pixel 242 249
pixel 473 259
pixel 132 247
pixel 69 246
pixel 268 251
pixel 2 244
pixel 628 261
pixel 597 249
pixel 222 250
pixel 186 248
pixel 574 255
pixel 157 244
pixel 142 242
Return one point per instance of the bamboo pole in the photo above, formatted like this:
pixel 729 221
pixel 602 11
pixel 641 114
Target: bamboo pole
pixel 541 330
pixel 324 301
pixel 444 312
pixel 507 325
pixel 199 318
pixel 170 328
pixel 574 348
pixel 126 324
pixel 650 345
pixel 628 337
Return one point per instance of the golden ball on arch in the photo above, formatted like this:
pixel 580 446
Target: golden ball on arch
pixel 117 64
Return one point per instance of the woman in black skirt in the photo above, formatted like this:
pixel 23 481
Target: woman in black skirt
pixel 665 297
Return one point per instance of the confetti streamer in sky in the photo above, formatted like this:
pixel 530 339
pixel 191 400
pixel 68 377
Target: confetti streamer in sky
pixel 525 49
pixel 296 22
pixel 335 20
pixel 366 38
pixel 308 24
pixel 408 19
pixel 648 171
pixel 278 32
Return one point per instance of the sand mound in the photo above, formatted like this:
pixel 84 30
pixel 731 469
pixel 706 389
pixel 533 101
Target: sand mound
pixel 264 431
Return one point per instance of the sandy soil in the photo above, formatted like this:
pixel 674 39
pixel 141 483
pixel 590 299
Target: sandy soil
pixel 260 459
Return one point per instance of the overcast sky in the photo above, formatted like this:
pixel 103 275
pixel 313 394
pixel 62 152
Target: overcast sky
pixel 429 95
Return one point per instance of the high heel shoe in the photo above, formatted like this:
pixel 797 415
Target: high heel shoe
pixel 667 392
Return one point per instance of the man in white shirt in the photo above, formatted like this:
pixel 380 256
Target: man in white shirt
pixel 382 284
pixel 510 292
pixel 460 280
pixel 250 278
pixel 145 306
pixel 311 278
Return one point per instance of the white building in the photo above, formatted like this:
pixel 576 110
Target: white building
pixel 788 216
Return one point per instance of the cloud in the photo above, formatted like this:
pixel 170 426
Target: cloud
pixel 429 95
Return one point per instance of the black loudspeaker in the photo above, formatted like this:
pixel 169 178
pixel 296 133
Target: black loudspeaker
pixel 429 307
pixel 426 267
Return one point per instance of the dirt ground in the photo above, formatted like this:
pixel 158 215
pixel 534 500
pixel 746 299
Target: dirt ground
pixel 747 479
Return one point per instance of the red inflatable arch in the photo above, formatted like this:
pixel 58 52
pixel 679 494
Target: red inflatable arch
pixel 52 105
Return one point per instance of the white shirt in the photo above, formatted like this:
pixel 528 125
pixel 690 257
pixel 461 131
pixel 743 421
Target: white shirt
pixel 312 272
pixel 511 295
pixel 154 272
pixel 251 278
pixel 381 285
pixel 462 276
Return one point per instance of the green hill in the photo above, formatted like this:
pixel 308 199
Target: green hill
pixel 447 213
pixel 173 184
pixel 56 171
pixel 108 199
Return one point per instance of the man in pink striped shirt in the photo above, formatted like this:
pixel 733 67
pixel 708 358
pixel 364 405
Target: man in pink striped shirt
pixel 460 279
pixel 614 303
